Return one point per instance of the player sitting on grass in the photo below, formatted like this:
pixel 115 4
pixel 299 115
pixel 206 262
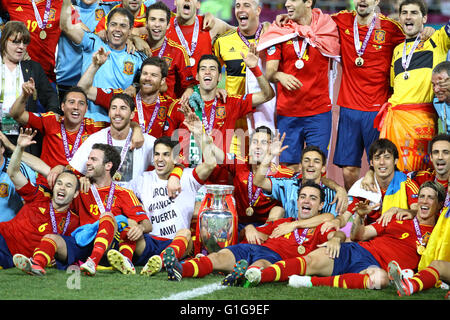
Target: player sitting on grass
pixel 362 264
pixel 236 258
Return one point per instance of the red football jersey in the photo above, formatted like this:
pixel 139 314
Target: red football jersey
pixel 168 119
pixel 367 87
pixel 240 171
pixel 125 203
pixel 139 20
pixel 24 232
pixel 426 175
pixel 313 97
pixel 412 190
pixel 52 145
pixel 180 75
pixel 204 42
pixel 286 246
pixel 397 241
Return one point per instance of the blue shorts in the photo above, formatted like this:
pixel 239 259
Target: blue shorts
pixel 153 245
pixel 355 134
pixel 253 252
pixel 313 130
pixel 6 260
pixel 353 259
pixel 75 252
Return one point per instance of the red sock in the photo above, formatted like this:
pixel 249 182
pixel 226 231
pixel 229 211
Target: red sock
pixel 105 236
pixel 126 246
pixel 197 267
pixel 346 281
pixel 179 245
pixel 425 279
pixel 281 270
pixel 45 252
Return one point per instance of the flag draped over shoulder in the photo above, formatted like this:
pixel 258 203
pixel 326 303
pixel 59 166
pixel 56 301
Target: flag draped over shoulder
pixel 321 33
pixel 438 246
pixel 396 195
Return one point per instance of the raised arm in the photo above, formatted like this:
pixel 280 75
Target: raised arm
pixel 359 231
pixel 25 139
pixel 17 110
pixel 276 148
pixel 74 32
pixel 266 93
pixel 87 79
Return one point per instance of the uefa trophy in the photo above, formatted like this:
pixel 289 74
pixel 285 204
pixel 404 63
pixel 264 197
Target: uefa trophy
pixel 217 219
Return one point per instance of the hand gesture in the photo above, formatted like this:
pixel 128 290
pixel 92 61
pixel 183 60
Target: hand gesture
pixel 25 138
pixel 191 121
pixel 276 147
pixel 100 57
pixel 28 88
pixel 363 208
pixel 252 58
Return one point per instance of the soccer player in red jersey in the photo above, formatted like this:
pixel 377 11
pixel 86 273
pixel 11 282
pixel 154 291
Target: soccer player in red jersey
pixel 301 72
pixel 104 201
pixel 180 75
pixel 188 29
pixel 363 264
pixel 364 84
pixel 157 114
pixel 219 117
pixel 43 213
pixel 272 249
pixel 61 135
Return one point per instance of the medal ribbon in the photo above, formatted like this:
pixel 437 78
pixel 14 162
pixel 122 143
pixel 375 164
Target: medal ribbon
pixel 125 148
pixel 360 49
pixel 209 124
pixel 163 48
pixel 69 155
pixel 183 41
pixel 53 220
pixel 300 238
pixel 418 233
pixel 141 113
pixel 298 51
pixel 42 23
pixel 244 39
pixel 99 201
pixel 406 60
pixel 252 197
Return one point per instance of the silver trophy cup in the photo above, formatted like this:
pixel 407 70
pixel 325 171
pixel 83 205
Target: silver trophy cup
pixel 216 220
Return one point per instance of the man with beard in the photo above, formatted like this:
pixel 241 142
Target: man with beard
pixel 440 79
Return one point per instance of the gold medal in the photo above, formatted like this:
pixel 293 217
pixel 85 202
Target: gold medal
pixel 420 249
pixel 301 250
pixel 406 75
pixel 359 62
pixel 42 34
pixel 117 176
pixel 249 211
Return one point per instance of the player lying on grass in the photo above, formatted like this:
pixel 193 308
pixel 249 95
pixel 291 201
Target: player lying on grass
pixel 362 264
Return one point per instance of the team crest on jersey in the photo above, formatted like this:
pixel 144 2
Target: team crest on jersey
pixel 379 36
pixel 52 15
pixel 128 67
pixel 162 112
pixel 99 14
pixel 420 45
pixel 168 60
pixel 4 190
pixel 220 112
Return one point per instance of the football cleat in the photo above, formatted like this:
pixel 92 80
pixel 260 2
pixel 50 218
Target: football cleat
pixel 27 265
pixel 403 285
pixel 120 263
pixel 153 266
pixel 89 267
pixel 172 265
pixel 237 275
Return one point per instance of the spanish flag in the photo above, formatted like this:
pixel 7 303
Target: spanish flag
pixel 438 247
